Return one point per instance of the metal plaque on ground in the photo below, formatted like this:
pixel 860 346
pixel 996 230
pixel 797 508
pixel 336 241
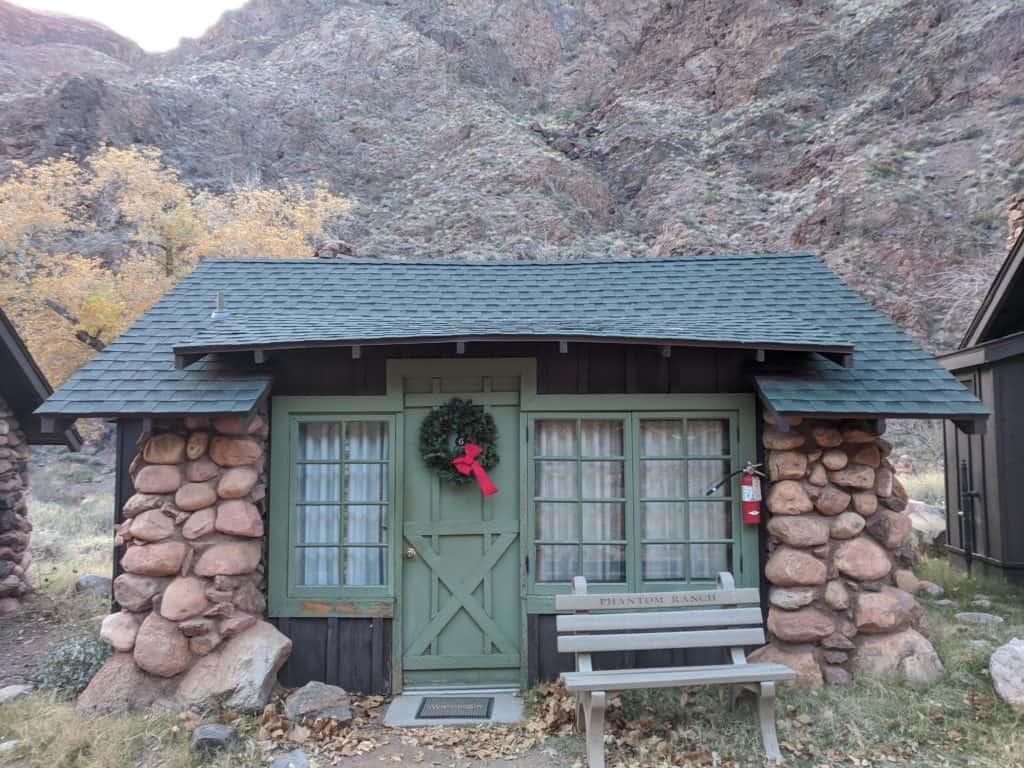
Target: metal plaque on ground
pixel 474 707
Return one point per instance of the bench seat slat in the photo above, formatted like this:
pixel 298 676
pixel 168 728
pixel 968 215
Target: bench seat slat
pixel 715 617
pixel 647 641
pixel 668 677
pixel 639 600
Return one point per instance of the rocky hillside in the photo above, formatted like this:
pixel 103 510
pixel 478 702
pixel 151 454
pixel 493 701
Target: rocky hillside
pixel 884 134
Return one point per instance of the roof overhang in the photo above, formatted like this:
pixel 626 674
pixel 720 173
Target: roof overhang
pixel 986 352
pixel 998 292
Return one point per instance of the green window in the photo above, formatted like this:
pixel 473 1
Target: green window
pixel 340 504
pixel 623 499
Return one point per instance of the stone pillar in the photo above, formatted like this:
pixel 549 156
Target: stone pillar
pixel 837 531
pixel 195 564
pixel 15 529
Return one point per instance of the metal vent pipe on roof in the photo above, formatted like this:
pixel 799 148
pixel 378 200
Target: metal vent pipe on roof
pixel 220 310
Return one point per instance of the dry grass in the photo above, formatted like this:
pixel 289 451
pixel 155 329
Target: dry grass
pixel 929 487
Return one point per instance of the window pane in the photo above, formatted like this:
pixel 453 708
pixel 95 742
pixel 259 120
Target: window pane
pixel 366 440
pixel 604 522
pixel 555 437
pixel 710 520
pixel 317 566
pixel 664 562
pixel 661 479
pixel 664 520
pixel 365 566
pixel 661 437
pixel 317 525
pixel 556 480
pixel 707 437
pixel 319 441
pixel 601 438
pixel 556 522
pixel 365 524
pixel 704 474
pixel 557 563
pixel 707 560
pixel 604 563
pixel 366 482
pixel 603 480
pixel 318 482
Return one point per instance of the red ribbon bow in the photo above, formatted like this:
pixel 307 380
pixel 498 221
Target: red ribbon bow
pixel 468 463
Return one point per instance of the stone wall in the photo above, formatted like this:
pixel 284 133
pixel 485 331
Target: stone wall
pixel 15 529
pixel 193 587
pixel 838 561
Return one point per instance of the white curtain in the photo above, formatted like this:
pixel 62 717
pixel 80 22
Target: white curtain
pixel 319 523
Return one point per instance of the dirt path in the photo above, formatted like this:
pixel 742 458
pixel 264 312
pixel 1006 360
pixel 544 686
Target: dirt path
pixel 24 639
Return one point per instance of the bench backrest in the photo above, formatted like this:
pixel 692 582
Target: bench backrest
pixel 719 618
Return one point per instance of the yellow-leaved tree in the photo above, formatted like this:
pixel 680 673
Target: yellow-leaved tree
pixel 86 247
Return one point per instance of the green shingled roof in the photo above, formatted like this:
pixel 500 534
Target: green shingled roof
pixel 778 301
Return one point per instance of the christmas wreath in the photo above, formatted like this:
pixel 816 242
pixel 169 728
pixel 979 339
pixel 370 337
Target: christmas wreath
pixel 446 437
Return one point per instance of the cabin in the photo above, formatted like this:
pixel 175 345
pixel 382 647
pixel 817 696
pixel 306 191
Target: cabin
pixel 984 522
pixel 315 442
pixel 23 388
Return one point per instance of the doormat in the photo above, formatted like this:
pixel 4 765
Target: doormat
pixel 473 707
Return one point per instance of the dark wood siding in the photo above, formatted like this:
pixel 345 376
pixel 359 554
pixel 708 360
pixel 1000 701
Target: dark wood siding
pixel 352 653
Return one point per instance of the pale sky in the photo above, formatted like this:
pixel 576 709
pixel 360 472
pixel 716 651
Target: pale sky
pixel 156 25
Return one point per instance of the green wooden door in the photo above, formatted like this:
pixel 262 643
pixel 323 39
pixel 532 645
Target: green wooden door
pixel 460 570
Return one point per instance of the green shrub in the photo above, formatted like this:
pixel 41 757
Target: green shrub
pixel 68 666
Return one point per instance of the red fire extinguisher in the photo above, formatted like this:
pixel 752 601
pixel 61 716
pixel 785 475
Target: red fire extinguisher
pixel 750 493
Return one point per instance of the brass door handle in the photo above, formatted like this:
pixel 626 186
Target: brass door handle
pixel 411 553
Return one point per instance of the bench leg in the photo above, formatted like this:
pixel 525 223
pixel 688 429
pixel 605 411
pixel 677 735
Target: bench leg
pixel 766 714
pixel 594 704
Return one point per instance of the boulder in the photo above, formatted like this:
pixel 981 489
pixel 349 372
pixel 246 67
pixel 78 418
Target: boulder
pixel 786 465
pixel 120 687
pixel 799 531
pixel 854 476
pixel 162 559
pixel 240 674
pixel 788 497
pixel 806 625
pixel 238 425
pixel 135 593
pixel 250 598
pixel 1006 667
pixel 203 644
pixel 791 598
pixel 927 523
pixel 836 675
pixel 837 597
pixel 118 630
pixel 846 525
pixel 905 655
pixel 196 445
pixel 862 559
pixel 886 611
pixel 151 525
pixel 235 451
pixel 799 658
pixel 166 448
pixel 907 581
pixel 184 598
pixel 294 759
pixel 931 589
pixel 831 500
pixel 239 518
pixel 860 432
pixel 868 455
pixel 865 503
pixel 891 529
pixel 899 499
pixel 197 422
pixel 236 624
pixel 11 692
pixel 229 558
pixel 826 436
pixel 92 584
pixel 199 523
pixel 193 496
pixel 316 701
pixel 210 739
pixel 777 440
pixel 834 460
pixel 140 502
pixel 883 482
pixel 160 648
pixel 793 568
pixel 158 478
pixel 236 482
pixel 977 617
pixel 817 475
pixel 200 471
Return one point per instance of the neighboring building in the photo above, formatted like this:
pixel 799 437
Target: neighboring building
pixel 984 481
pixel 22 389
pixel 281 454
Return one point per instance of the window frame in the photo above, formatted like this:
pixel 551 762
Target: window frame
pixel 743 559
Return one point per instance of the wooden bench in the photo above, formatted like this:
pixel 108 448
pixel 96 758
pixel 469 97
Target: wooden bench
pixel 640 622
